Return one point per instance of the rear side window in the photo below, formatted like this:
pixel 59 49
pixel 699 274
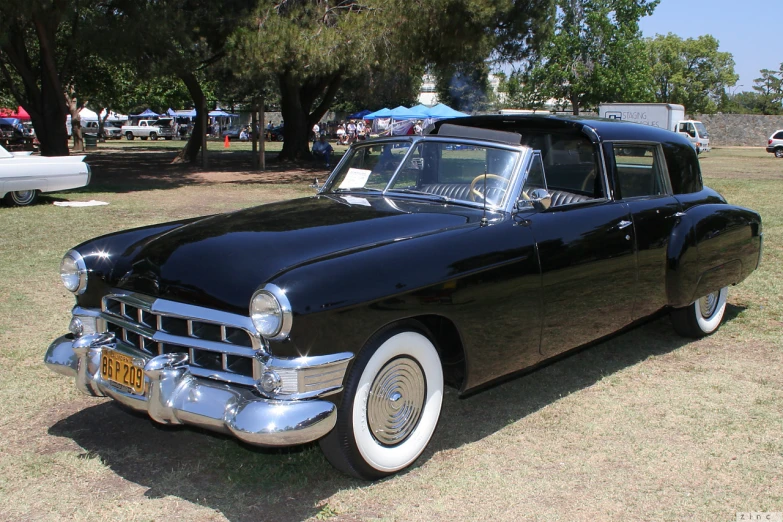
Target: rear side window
pixel 778 136
pixel 639 171
pixel 684 169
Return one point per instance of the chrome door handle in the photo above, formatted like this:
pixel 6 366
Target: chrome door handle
pixel 622 224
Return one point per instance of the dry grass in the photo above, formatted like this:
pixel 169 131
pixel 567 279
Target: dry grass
pixel 644 426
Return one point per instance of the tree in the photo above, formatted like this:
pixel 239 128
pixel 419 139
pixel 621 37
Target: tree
pixel 39 44
pixel 690 72
pixel 769 90
pixel 313 47
pixel 595 55
pixel 175 38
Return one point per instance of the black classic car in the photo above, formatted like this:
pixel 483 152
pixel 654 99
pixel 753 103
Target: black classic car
pixel 483 248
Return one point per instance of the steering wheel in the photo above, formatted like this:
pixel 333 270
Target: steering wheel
pixel 476 195
pixel 590 177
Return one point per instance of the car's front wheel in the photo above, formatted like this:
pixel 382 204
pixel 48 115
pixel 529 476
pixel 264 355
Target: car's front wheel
pixel 779 153
pixel 21 198
pixel 153 136
pixel 390 408
pixel 702 317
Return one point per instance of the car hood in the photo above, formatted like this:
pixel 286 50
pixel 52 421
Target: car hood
pixel 221 260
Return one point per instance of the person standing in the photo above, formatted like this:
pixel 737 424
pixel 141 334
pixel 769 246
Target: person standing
pixel 360 129
pixel 351 131
pixel 316 131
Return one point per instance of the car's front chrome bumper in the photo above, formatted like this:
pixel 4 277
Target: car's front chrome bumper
pixel 175 396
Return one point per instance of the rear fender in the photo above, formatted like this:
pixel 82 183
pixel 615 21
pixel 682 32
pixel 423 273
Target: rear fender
pixel 710 247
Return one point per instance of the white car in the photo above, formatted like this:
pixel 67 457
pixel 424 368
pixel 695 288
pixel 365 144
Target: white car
pixel 23 176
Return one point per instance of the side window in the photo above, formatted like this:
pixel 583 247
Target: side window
pixel 535 175
pixel 639 171
pixel 683 127
pixel 778 136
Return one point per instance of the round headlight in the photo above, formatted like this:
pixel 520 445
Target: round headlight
pixel 266 314
pixel 270 312
pixel 73 272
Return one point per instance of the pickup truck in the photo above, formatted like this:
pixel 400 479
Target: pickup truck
pixel 152 129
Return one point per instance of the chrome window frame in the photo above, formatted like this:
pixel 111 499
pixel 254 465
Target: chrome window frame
pixel 659 157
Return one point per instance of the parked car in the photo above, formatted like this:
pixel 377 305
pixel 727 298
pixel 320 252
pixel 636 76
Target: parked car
pixel 23 176
pixel 775 143
pixel 152 129
pixel 275 133
pixel 111 131
pixel 450 259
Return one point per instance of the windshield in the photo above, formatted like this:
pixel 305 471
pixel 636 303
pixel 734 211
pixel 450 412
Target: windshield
pixel 701 129
pixel 438 169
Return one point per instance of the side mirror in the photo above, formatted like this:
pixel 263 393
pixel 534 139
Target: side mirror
pixel 539 199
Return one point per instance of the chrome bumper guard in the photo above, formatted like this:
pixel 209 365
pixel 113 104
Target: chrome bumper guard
pixel 175 396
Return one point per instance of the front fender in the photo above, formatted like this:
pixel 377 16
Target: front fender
pixel 711 246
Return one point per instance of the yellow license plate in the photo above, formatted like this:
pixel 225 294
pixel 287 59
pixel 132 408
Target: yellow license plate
pixel 119 368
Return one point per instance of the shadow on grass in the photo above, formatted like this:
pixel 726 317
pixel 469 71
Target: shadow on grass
pixel 246 483
pixel 129 170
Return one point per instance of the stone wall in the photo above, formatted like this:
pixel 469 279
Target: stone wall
pixel 739 129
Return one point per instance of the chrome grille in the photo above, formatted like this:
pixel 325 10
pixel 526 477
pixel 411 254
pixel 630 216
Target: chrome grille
pixel 219 345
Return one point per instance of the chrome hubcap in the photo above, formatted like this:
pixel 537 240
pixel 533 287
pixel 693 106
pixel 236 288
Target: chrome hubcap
pixel 708 304
pixel 396 400
pixel 23 196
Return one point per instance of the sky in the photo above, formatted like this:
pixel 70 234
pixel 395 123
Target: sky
pixel 748 29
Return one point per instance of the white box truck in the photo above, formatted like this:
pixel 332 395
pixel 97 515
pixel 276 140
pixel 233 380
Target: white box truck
pixel 663 115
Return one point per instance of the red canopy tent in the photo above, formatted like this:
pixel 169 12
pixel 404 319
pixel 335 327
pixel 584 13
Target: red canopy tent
pixel 20 113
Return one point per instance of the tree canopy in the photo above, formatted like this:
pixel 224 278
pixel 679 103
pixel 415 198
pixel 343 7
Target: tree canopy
pixel 691 72
pixel 595 54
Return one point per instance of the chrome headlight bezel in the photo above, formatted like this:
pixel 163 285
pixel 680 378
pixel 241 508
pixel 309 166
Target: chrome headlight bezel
pixel 78 271
pixel 271 296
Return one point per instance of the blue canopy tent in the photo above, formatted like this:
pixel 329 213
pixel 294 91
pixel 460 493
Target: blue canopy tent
pixel 147 114
pixel 217 113
pixel 359 115
pixel 441 111
pixel 382 113
pixel 171 112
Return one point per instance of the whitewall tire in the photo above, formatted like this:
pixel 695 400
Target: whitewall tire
pixel 22 198
pixel 702 317
pixel 391 406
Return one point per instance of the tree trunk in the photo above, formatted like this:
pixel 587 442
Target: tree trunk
pixel 76 121
pixel 190 153
pixel 40 92
pixel 296 101
pixel 575 104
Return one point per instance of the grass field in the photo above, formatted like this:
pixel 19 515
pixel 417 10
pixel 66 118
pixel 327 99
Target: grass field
pixel 644 426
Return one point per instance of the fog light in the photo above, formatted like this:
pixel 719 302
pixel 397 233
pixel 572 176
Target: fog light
pixel 76 327
pixel 270 381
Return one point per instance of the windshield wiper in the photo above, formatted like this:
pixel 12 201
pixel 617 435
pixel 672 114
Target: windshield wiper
pixel 421 192
pixel 357 189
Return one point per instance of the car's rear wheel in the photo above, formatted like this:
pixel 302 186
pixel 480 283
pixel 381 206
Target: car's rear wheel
pixel 702 317
pixel 390 408
pixel 153 136
pixel 280 137
pixel 21 198
pixel 129 136
pixel 779 153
